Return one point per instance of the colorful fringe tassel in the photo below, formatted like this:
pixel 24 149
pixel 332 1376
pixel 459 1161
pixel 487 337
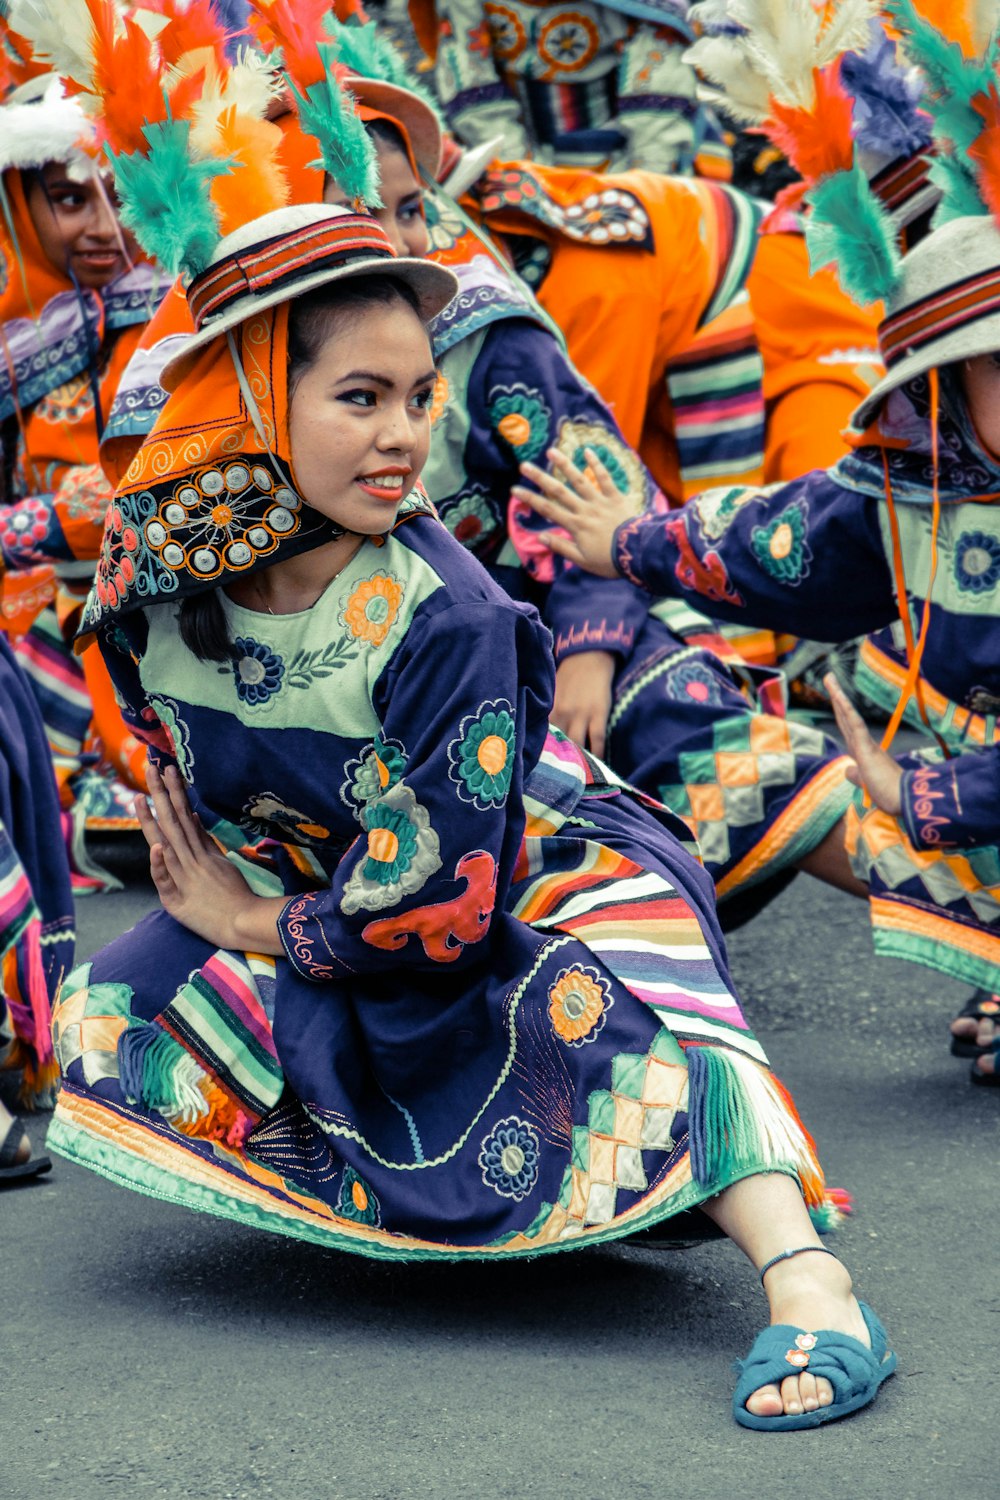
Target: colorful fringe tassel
pixel 740 1116
pixel 158 1073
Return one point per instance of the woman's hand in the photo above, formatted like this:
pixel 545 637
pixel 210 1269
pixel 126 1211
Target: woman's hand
pixel 586 503
pixel 195 882
pixel 583 697
pixel 874 768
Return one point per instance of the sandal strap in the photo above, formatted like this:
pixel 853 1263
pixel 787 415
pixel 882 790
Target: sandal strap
pixel 787 1255
pixel 781 1350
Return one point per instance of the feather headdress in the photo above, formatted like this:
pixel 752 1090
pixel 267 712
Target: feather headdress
pixel 823 82
pixel 957 51
pixel 193 156
pixel 292 32
pixel 368 53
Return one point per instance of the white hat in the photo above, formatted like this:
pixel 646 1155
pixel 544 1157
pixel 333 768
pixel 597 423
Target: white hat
pixel 947 307
pixel 287 252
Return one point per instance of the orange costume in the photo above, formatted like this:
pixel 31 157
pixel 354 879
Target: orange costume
pixel 63 351
pixel 820 353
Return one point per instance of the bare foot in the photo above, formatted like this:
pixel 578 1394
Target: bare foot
pixel 811 1292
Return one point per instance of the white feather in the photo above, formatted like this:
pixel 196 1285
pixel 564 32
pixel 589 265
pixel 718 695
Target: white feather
pixel 848 30
pixel 781 45
pixel 61 35
pixel 49 129
pixel 725 62
pixel 249 86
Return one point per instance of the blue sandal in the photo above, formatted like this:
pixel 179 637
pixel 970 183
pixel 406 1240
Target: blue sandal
pixel 781 1350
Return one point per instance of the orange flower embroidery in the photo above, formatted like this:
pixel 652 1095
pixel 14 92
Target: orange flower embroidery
pixel 372 608
pixel 577 1003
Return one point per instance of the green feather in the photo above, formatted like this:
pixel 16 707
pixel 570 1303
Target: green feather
pixel 347 152
pixel 953 80
pixel 165 198
pixel 364 51
pixel 959 193
pixel 849 228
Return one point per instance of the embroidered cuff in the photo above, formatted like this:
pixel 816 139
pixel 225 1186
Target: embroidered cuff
pixel 931 806
pixel 304 941
pixel 625 550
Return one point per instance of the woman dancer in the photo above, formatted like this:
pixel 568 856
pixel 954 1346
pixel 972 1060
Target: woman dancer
pixel 454 990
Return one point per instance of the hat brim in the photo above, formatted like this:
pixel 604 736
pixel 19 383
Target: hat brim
pixel 416 117
pixel 972 339
pixel 433 285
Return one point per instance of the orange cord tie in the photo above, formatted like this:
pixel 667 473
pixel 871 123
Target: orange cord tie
pixel 912 687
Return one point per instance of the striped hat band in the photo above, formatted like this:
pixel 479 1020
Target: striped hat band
pixel 897 183
pixel 275 263
pixel 950 307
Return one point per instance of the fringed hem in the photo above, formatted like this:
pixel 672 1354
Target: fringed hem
pixel 126 1150
pixel 740 1115
pixel 26 995
pixel 159 1074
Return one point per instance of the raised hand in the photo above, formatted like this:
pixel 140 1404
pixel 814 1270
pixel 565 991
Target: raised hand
pixel 585 503
pixel 874 768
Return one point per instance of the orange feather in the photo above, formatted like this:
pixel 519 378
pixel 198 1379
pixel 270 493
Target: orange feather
pixel 296 26
pixel 188 29
pixel 986 150
pixel 129 76
pixel 16 63
pixel 817 140
pixel 257 184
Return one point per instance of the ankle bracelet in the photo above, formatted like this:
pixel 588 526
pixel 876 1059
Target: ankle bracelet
pixel 787 1255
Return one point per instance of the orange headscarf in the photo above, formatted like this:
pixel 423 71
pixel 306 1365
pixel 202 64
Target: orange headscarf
pixel 209 493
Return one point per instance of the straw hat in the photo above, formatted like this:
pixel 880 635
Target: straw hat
pixel 287 252
pixel 947 307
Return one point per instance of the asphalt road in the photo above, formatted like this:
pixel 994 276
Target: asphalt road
pixel 152 1351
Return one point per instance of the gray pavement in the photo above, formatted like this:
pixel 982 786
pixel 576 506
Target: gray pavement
pixel 152 1351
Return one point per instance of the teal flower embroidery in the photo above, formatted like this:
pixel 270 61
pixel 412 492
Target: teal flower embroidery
pixel 168 713
pixel 482 755
pixel 977 562
pixel 379 766
pixel 356 1201
pixel 471 518
pixel 522 419
pixel 781 548
pixel 402 852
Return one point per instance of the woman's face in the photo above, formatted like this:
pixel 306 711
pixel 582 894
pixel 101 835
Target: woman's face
pixel 402 216
pixel 981 382
pixel 359 419
pixel 77 228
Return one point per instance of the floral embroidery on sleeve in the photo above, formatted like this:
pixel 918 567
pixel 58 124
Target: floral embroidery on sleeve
pixel 781 548
pixel 579 1001
pixel 481 756
pixel 471 517
pixel 521 418
pixel 403 852
pixel 379 766
pixel 168 714
pixel 617 457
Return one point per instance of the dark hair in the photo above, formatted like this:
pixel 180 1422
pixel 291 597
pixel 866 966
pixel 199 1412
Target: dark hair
pixel 311 319
pixel 388 133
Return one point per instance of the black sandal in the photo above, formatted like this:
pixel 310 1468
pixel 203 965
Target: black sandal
pixel 12 1170
pixel 982 1005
